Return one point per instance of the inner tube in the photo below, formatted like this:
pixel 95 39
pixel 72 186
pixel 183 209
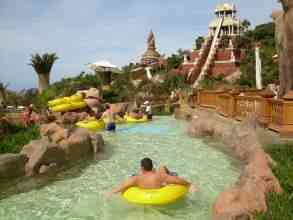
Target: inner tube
pixel 163 196
pixel 118 120
pixel 130 119
pixel 93 125
pixel 68 106
pixel 65 100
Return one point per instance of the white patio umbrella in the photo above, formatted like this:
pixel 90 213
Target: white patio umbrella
pixel 106 68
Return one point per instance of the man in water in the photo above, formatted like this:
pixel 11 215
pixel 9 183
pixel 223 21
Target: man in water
pixel 110 116
pixel 151 179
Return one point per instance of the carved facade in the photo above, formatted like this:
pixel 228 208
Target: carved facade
pixel 217 55
pixel 151 57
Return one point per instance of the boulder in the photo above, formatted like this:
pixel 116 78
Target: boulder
pixel 78 145
pixel 42 152
pixel 12 165
pixel 183 113
pixel 244 200
pixel 59 145
pixel 72 117
pixel 48 169
pixel 48 129
pixel 54 132
pixel 97 142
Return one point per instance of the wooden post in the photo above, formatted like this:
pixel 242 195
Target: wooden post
pixel 282 116
pixel 232 104
pixel 265 114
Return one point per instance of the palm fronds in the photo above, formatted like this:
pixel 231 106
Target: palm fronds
pixel 3 86
pixel 43 64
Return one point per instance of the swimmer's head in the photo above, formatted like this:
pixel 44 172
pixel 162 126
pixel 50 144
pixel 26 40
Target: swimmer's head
pixel 146 164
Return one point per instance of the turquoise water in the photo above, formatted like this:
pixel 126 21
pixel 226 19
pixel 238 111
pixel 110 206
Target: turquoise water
pixel 78 193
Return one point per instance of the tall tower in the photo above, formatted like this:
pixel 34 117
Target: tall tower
pixel 151 57
pixel 231 25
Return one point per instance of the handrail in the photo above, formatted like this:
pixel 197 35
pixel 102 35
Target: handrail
pixel 206 46
pixel 211 53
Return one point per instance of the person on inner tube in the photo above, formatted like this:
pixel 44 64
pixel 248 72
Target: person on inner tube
pixel 109 114
pixel 149 178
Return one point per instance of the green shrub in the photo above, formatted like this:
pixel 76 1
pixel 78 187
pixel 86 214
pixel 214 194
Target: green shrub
pixel 173 82
pixel 18 136
pixel 280 206
pixel 263 34
pixel 110 97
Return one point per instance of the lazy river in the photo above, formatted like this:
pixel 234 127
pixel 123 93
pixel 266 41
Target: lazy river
pixel 78 193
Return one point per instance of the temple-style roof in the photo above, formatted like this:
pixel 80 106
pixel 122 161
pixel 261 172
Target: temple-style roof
pixel 151 51
pixel 151 54
pixel 225 7
pixel 228 21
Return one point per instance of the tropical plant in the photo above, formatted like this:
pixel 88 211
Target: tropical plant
pixel 246 24
pixel 16 137
pixel 67 86
pixel 264 35
pixel 174 61
pixel 198 42
pixel 123 86
pixel 43 65
pixel 3 94
pixel 173 82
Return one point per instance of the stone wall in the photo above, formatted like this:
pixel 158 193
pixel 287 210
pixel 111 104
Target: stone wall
pixel 248 195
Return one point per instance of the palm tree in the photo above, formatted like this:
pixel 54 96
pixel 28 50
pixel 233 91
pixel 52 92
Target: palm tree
pixel 3 94
pixel 43 65
pixel 246 24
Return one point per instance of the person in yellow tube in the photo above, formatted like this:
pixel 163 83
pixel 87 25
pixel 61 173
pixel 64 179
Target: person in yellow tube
pixel 149 178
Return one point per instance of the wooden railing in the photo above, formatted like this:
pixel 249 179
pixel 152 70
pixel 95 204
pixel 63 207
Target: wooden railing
pixel 275 114
pixel 246 106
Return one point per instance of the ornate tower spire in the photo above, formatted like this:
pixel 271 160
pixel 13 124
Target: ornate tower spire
pixel 151 56
pixel 151 41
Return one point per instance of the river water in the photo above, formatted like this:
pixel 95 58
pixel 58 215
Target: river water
pixel 78 193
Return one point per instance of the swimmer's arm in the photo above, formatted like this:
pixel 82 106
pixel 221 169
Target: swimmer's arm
pixel 104 115
pixel 176 180
pixel 124 186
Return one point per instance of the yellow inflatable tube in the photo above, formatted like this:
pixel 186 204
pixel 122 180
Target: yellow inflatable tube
pixel 165 195
pixel 68 106
pixel 92 124
pixel 65 100
pixel 130 119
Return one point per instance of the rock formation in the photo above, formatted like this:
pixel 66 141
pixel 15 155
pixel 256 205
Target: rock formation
pixel 285 38
pixel 57 147
pixel 12 165
pixel 248 195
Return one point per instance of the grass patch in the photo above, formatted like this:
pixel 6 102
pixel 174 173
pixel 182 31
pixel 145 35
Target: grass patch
pixel 17 137
pixel 280 207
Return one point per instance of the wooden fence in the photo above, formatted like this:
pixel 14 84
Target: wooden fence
pixel 274 114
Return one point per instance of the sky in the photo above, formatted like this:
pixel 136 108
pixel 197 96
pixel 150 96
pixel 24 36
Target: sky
pixel 85 31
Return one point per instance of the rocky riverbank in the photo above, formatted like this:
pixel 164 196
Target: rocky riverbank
pixel 57 147
pixel 243 140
